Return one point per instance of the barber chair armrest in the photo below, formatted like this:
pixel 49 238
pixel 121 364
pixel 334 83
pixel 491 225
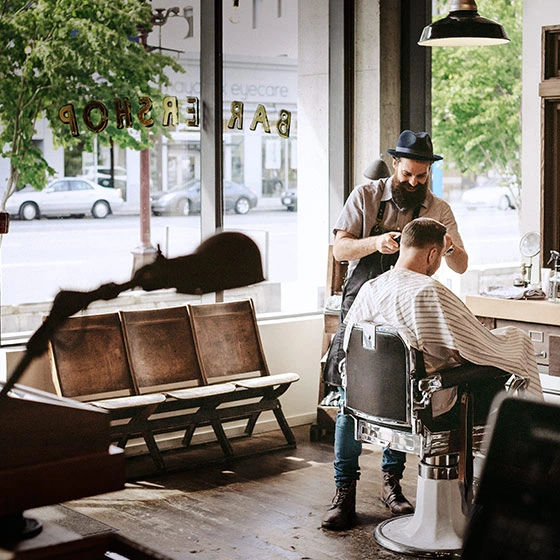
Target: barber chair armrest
pixel 460 375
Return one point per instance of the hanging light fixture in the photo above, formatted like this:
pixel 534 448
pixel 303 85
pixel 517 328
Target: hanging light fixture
pixel 463 27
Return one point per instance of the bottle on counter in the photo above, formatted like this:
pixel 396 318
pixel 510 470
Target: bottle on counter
pixel 554 279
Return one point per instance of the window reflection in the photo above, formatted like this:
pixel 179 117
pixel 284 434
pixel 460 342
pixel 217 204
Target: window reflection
pixel 260 81
pixel 261 164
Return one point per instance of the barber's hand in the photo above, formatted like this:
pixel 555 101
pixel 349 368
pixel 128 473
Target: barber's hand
pixel 448 245
pixel 387 243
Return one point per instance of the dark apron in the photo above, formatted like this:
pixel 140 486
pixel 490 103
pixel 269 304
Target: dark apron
pixel 368 267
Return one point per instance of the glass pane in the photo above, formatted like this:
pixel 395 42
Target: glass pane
pixel 261 125
pixel 42 256
pixel 175 161
pixel 476 125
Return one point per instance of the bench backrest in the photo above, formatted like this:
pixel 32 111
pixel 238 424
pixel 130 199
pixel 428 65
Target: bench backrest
pixel 228 340
pixel 89 358
pixel 161 348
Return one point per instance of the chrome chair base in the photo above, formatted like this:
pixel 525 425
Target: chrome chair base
pixel 436 528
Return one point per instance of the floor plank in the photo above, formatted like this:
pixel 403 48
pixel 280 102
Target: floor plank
pixel 263 507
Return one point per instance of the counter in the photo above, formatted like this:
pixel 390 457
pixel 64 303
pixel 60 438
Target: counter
pixel 526 310
pixel 540 319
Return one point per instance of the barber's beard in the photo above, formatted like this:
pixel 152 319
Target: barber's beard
pixel 406 199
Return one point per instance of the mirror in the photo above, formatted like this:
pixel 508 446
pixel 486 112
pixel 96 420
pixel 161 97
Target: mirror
pixel 529 247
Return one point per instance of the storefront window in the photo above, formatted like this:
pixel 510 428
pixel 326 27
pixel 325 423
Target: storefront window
pixel 42 256
pixel 476 124
pixel 262 121
pixel 175 160
pixel 280 138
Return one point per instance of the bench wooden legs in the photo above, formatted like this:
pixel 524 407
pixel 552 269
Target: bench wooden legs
pixel 139 424
pixel 222 438
pixel 154 450
pixel 284 426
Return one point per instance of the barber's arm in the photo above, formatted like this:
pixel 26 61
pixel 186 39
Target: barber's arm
pixel 347 247
pixel 456 257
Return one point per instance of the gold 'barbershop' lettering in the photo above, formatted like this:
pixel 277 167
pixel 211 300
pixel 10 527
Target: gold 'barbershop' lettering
pixel 236 115
pixel 103 116
pixel 122 111
pixel 260 116
pixel 145 108
pixel 96 115
pixel 283 123
pixel 170 111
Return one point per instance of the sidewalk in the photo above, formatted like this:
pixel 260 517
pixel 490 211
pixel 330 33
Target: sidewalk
pixel 269 204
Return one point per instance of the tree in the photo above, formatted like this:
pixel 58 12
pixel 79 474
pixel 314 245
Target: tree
pixel 476 97
pixel 55 53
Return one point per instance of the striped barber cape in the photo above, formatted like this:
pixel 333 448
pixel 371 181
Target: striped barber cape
pixel 432 319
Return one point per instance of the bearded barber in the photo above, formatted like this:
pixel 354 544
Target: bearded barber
pixel 366 234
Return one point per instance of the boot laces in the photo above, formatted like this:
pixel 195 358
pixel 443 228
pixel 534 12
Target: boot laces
pixel 393 489
pixel 393 483
pixel 341 495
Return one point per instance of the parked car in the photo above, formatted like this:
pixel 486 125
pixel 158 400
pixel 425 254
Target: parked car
pixel 491 195
pixel 102 175
pixel 67 196
pixel 184 200
pixel 289 199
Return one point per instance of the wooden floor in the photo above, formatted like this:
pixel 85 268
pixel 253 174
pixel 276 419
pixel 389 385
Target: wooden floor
pixel 265 507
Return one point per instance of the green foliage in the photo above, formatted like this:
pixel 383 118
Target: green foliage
pixel 53 53
pixel 476 97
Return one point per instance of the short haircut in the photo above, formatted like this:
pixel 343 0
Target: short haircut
pixel 423 232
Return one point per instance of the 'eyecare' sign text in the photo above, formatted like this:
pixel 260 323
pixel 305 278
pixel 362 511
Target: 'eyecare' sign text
pixel 96 115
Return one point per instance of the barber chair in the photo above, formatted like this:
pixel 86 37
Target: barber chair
pixel 390 397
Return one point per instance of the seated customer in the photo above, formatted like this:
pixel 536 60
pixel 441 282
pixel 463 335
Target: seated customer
pixel 436 322
pixel 432 318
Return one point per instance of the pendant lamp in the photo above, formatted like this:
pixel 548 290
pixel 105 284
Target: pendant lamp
pixel 463 27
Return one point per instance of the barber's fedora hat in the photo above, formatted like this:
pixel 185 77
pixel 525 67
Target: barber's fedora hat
pixel 415 145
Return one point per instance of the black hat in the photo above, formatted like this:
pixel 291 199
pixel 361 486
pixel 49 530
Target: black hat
pixel 415 145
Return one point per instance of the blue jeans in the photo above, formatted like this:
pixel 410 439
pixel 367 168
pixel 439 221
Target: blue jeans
pixel 347 451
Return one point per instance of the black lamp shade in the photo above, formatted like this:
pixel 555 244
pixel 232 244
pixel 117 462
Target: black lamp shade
pixel 463 28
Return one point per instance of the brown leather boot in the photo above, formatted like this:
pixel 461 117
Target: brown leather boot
pixel 392 496
pixel 342 514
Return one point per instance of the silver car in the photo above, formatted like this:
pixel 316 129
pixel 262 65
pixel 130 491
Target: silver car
pixel 185 199
pixel 68 196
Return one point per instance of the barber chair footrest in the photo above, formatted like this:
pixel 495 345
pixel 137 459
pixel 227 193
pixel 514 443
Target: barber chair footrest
pixel 436 528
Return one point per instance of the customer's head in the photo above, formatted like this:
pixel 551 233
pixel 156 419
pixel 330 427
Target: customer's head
pixel 422 244
pixel 412 161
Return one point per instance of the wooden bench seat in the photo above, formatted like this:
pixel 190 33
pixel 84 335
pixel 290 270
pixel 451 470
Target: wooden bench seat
pixel 268 381
pixel 230 350
pixel 89 364
pixel 120 403
pixel 170 369
pixel 162 357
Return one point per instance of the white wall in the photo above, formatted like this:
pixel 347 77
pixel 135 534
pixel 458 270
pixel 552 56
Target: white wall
pixel 294 344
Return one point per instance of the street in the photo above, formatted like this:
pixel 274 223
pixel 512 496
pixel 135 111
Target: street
pixel 41 257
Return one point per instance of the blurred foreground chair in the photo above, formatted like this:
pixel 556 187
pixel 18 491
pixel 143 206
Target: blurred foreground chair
pixel 516 513
pixel 390 398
